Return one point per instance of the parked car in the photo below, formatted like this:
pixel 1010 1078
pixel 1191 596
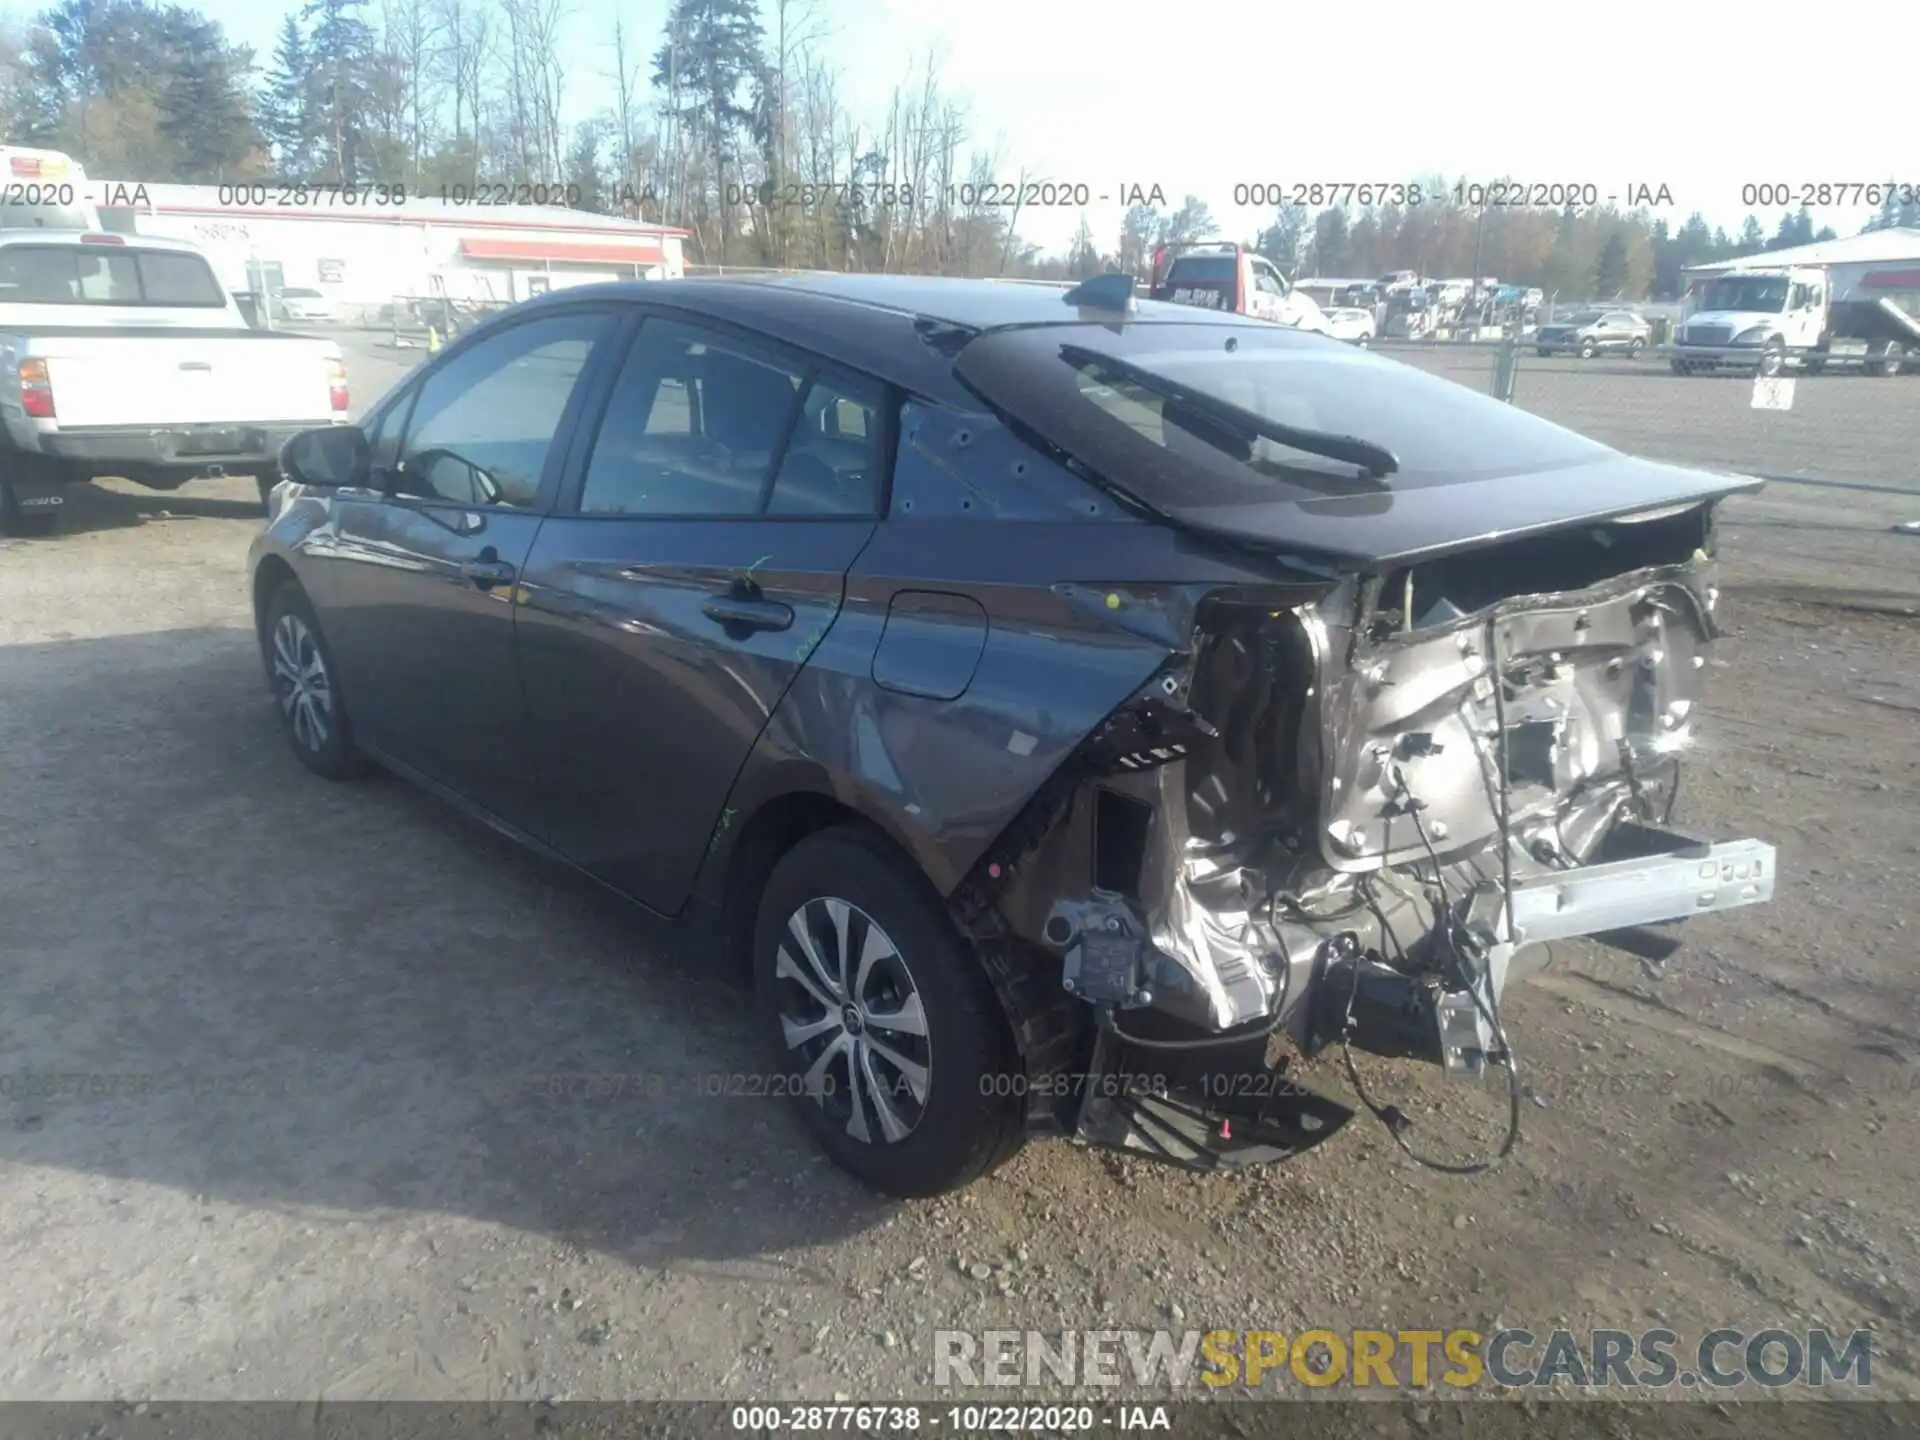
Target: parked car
pixel 1352 325
pixel 123 356
pixel 1594 332
pixel 299 306
pixel 1022 683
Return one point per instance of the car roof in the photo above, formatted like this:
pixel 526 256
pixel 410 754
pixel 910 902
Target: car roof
pixel 904 329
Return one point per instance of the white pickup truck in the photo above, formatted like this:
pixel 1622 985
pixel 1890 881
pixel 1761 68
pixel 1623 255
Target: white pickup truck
pixel 125 356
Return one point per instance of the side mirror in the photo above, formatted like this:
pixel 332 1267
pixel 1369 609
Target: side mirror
pixel 332 457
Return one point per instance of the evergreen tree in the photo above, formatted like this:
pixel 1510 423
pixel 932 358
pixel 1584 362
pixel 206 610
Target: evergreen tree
pixel 712 69
pixel 205 111
pixel 1795 229
pixel 1280 242
pixel 1610 273
pixel 341 53
pixel 1332 247
pixel 286 104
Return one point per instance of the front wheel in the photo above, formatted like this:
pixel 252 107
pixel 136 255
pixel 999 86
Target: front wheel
pixel 1773 358
pixel 1588 350
pixel 888 1037
pixel 306 689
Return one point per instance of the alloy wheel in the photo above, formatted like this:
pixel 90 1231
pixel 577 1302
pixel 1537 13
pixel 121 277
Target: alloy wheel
pixel 301 680
pixel 852 1019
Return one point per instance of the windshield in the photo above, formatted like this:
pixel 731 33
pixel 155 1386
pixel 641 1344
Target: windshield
pixel 1584 317
pixel 1159 450
pixel 1766 293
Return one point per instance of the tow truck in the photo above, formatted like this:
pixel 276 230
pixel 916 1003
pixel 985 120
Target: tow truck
pixel 44 190
pixel 1220 275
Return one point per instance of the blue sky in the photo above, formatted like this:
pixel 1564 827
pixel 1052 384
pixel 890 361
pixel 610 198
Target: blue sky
pixel 1201 95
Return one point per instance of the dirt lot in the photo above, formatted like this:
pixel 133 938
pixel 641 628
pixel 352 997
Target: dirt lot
pixel 301 1158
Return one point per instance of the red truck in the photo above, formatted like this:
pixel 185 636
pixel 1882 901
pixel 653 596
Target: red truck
pixel 1219 275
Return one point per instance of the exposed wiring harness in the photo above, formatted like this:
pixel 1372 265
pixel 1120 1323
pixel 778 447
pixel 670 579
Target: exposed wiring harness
pixel 1463 951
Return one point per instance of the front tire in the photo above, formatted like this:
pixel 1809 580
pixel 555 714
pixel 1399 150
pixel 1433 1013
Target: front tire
pixel 306 688
pixel 1634 348
pixel 1588 350
pixel 886 1032
pixel 1773 358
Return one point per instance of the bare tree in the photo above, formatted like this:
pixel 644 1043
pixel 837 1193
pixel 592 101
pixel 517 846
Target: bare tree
pixel 465 41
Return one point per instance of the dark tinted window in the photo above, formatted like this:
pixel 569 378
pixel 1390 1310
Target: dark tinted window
pixel 832 466
pixel 1203 270
pixel 484 421
pixel 694 426
pixel 177 280
pixel 105 275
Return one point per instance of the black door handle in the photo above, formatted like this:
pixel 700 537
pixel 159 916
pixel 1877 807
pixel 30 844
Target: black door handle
pixel 488 573
pixel 737 614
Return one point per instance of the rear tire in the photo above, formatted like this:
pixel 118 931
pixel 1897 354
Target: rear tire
pixel 917 1107
pixel 1634 348
pixel 306 688
pixel 1890 361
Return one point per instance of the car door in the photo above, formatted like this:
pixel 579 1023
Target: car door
pixel 695 563
pixel 420 574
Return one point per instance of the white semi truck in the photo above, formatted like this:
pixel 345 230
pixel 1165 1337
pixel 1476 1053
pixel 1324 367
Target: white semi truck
pixel 1770 319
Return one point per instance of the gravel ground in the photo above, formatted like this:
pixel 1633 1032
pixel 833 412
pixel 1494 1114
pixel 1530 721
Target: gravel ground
pixel 304 1159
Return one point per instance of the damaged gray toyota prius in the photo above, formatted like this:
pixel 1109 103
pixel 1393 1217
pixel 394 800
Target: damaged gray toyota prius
pixel 1071 708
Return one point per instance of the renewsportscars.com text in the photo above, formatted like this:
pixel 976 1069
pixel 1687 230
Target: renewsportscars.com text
pixel 1411 1359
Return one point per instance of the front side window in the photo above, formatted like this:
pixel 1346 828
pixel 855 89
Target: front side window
pixel 485 421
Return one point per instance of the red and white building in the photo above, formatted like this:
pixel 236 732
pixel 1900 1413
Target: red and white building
pixel 365 256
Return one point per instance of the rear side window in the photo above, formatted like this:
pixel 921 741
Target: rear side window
pixel 105 275
pixel 694 427
pixel 832 465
